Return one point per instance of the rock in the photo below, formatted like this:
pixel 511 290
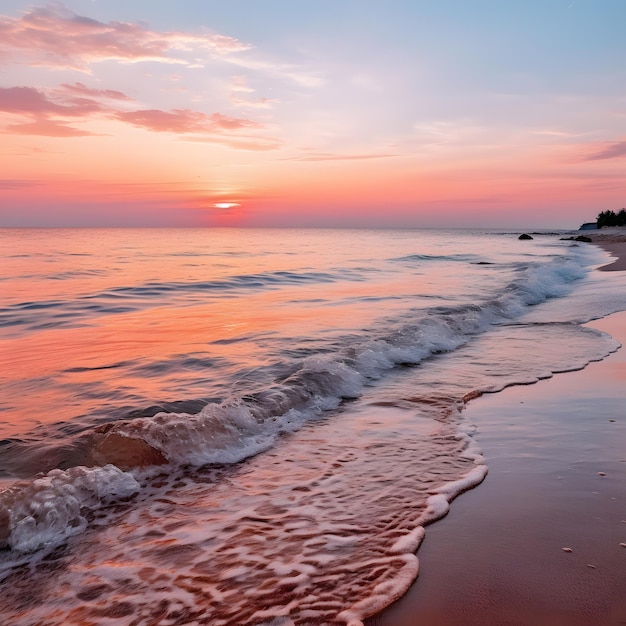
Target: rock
pixel 583 238
pixel 525 236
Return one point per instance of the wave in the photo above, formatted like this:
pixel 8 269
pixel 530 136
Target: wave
pixel 49 509
pixel 54 507
pixel 32 316
pixel 409 258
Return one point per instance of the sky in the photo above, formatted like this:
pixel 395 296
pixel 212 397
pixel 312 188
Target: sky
pixel 326 113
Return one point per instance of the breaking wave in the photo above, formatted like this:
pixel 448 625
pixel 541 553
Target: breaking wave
pixel 50 508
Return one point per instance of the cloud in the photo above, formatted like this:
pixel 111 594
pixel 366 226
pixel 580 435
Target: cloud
pixel 31 101
pixel 300 75
pixel 439 132
pixel 554 133
pixel 239 84
pixel 614 150
pixel 47 128
pixel 14 184
pixel 261 103
pixel 48 115
pixel 55 36
pixel 251 143
pixel 339 157
pixel 256 144
pixel 183 121
pixel 83 90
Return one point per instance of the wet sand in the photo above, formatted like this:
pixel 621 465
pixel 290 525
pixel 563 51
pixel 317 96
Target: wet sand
pixel 617 249
pixel 613 240
pixel 543 540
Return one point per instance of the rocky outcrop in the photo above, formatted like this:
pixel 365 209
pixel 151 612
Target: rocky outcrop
pixel 578 238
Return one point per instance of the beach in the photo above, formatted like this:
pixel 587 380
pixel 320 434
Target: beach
pixel 613 240
pixel 542 540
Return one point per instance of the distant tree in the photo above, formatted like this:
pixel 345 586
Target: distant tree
pixel 611 218
pixel 606 218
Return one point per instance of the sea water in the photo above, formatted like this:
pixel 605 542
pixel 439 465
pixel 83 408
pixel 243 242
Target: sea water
pixel 236 426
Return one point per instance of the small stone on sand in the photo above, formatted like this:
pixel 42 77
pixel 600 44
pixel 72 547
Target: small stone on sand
pixel 601 474
pixel 567 549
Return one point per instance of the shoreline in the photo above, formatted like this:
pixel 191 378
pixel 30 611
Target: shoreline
pixel 541 541
pixel 613 240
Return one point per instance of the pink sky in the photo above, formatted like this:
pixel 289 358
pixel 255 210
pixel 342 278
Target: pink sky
pixel 334 114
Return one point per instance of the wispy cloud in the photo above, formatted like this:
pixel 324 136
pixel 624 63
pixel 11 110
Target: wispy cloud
pixel 327 156
pixel 14 184
pixel 45 116
pixel 82 90
pixel 301 75
pixel 240 85
pixel 446 132
pixel 614 150
pixel 547 132
pixel 47 128
pixel 183 121
pixel 32 101
pixel 55 36
pixel 260 103
pixel 253 143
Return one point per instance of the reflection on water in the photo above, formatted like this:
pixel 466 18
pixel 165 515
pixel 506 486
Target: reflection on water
pixel 252 427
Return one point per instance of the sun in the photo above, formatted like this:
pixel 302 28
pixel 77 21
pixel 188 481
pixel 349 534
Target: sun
pixel 225 205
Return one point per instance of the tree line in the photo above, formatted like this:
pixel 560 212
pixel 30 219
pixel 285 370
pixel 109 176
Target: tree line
pixel 611 218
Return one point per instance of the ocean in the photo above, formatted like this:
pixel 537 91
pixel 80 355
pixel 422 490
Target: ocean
pixel 240 426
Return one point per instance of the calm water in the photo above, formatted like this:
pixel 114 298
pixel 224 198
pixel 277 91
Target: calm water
pixel 253 426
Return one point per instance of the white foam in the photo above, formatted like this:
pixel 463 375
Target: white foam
pixel 409 542
pixel 52 508
pixel 384 593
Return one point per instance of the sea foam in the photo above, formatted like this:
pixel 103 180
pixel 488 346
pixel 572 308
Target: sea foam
pixel 48 510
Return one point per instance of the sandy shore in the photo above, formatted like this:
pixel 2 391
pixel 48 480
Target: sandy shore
pixel 543 540
pixel 614 233
pixel 613 240
pixel 617 250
